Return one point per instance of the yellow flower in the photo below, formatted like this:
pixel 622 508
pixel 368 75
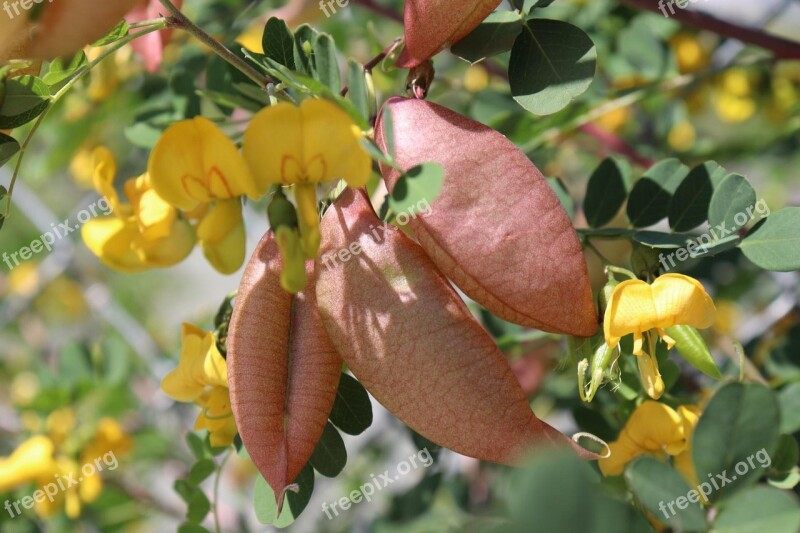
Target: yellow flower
pixel 202 378
pixel 222 236
pixel 194 163
pixel 216 416
pixel 109 437
pixel 60 424
pixel 303 146
pixel 683 461
pixel 144 234
pixel 655 429
pixel 200 365
pixel 32 461
pixel 636 307
pixel 692 56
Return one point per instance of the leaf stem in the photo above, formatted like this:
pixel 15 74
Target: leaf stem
pixel 179 21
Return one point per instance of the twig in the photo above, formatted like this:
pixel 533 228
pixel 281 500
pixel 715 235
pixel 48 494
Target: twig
pixel 179 21
pixel 782 48
pixel 381 10
pixel 616 143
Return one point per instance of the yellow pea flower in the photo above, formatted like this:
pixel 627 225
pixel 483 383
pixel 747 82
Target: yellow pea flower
pixel 222 236
pixel 654 429
pixel 109 437
pixel 145 233
pixel 216 416
pixel 303 146
pixel 683 461
pixel 202 378
pixel 636 307
pixel 31 461
pixel 200 365
pixel 195 163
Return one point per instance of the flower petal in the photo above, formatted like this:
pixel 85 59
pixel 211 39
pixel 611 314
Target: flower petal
pixel 222 235
pixel 111 239
pixel 328 134
pixel 194 162
pixel 631 309
pixel 273 146
pixel 682 300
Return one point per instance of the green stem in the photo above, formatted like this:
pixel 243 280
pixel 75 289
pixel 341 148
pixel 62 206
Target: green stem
pixel 621 271
pixel 179 21
pixel 155 25
pixel 216 490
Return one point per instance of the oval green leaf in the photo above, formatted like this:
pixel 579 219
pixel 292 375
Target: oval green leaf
pixel 552 63
pixel 775 245
pixel 738 428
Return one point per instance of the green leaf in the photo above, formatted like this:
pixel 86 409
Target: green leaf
pixel 8 148
pixel 197 445
pixel 330 456
pixel 420 185
pixel 737 429
pixel 26 98
pixel 649 200
pixel 304 38
pixel 775 245
pixel 118 32
pixel 789 400
pixel 199 506
pixel 642 49
pixel 759 509
pixel 730 203
pixel 60 72
pixel 689 205
pixel 552 62
pixel 495 35
pixel 786 454
pixel 327 65
pixel 191 528
pixel 278 42
pixel 387 123
pixel 692 347
pixel 559 492
pixel 201 470
pixel 606 192
pixel 352 410
pixel 358 93
pixel 662 490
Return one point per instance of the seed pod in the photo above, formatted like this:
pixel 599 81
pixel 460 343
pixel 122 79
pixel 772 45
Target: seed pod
pixel 496 229
pixel 410 340
pixel 431 25
pixel 692 347
pixel 283 371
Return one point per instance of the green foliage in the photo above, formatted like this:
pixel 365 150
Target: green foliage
pixel 552 62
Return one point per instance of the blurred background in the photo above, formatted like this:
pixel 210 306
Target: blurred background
pixel 83 348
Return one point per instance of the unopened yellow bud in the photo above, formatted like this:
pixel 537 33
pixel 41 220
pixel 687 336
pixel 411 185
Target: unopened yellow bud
pixel 306 197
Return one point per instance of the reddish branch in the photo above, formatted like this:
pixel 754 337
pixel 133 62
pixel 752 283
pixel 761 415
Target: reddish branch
pixel 782 48
pixel 617 144
pixel 381 10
